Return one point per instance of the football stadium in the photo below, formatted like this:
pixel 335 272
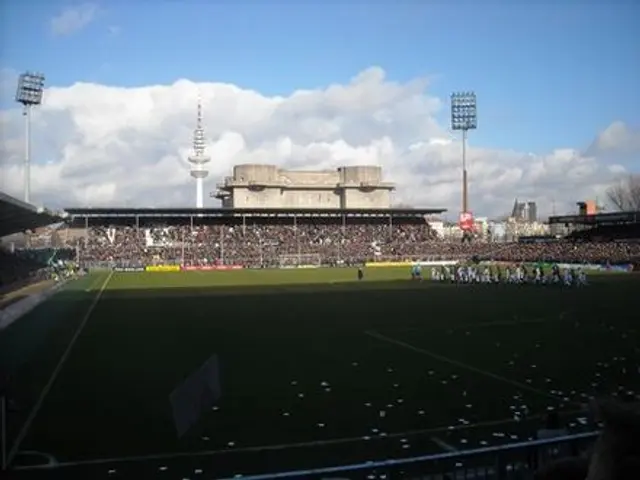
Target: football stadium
pixel 309 329
pixel 307 343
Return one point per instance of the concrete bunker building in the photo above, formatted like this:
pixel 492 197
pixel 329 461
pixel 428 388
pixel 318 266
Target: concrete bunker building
pixel 267 186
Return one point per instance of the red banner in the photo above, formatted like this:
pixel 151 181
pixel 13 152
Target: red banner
pixel 466 222
pixel 206 268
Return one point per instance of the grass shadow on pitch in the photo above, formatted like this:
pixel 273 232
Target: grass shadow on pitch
pixel 168 323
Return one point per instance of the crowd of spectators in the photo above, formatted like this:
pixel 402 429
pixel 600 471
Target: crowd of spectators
pixel 570 252
pixel 267 245
pixel 17 269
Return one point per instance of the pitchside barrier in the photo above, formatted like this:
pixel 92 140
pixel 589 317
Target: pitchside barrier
pixel 176 268
pixel 296 262
pixel 210 268
pixel 422 263
pixel 515 461
pixel 162 268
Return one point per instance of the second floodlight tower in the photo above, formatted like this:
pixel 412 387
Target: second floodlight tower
pixel 464 117
pixel 199 159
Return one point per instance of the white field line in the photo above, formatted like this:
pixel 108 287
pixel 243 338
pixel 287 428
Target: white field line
pixel 465 366
pixel 278 447
pixel 94 284
pixel 56 371
pixel 499 323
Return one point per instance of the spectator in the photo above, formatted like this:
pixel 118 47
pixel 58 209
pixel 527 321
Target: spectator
pixel 616 454
pixel 265 245
pixel 18 269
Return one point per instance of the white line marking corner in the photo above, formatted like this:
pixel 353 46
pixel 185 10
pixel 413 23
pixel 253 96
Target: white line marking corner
pixel 56 371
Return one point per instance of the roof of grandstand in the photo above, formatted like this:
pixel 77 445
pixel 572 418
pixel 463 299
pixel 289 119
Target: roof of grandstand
pixel 18 216
pixel 260 212
pixel 598 219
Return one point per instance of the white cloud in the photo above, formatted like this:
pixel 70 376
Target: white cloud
pixel 618 138
pixel 105 145
pixel 73 19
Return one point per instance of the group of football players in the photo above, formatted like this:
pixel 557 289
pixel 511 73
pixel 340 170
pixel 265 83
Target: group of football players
pixel 513 274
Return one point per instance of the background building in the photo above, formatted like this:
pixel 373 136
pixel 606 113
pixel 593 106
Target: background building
pixel 524 211
pixel 588 207
pixel 267 186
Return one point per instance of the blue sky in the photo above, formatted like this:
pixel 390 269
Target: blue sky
pixel 547 76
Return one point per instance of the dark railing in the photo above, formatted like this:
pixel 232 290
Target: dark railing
pixel 516 461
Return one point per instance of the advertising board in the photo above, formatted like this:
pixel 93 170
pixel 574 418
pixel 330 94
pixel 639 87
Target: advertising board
pixel 210 268
pixel 466 222
pixel 387 264
pixel 438 263
pixel 128 269
pixel 162 268
pixel 618 268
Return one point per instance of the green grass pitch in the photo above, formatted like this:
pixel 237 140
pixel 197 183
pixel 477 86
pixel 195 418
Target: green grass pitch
pixel 316 367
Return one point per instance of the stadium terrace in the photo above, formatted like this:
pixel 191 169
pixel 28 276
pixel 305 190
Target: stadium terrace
pixel 272 237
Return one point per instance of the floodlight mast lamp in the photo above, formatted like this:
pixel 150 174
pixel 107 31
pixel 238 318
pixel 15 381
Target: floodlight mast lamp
pixel 464 117
pixel 29 95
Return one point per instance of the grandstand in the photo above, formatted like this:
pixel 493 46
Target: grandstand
pixel 273 237
pixel 322 375
pixel 597 220
pixel 18 216
pixel 19 271
pixel 604 228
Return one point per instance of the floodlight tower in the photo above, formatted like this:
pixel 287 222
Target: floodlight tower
pixel 464 117
pixel 29 94
pixel 199 160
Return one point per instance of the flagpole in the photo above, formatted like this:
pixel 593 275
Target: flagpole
pixel 222 246
pixel 182 247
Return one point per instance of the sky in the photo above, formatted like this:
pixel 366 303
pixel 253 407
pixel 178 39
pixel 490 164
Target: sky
pixel 317 85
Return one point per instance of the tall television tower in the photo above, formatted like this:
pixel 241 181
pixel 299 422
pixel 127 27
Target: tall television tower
pixel 199 160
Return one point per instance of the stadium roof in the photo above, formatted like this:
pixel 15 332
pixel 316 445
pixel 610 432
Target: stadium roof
pixel 18 216
pixel 598 219
pixel 260 212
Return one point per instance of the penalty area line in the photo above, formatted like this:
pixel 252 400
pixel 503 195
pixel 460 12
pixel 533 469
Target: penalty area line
pixel 562 317
pixel 56 371
pixel 462 365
